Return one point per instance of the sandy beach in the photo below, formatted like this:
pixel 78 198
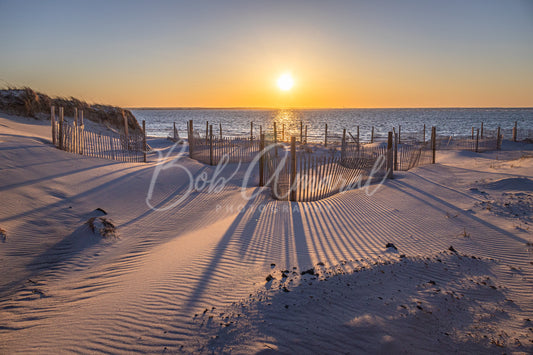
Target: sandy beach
pixel 212 271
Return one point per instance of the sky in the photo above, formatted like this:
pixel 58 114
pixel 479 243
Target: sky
pixel 414 53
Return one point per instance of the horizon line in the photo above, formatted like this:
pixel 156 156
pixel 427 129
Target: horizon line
pixel 316 108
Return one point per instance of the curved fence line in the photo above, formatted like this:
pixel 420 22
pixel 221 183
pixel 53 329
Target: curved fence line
pixel 315 171
pixel 305 177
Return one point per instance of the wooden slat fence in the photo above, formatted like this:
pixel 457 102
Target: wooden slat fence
pixel 409 155
pixel 320 177
pixel 342 162
pixel 76 139
pixel 212 149
pixel 467 143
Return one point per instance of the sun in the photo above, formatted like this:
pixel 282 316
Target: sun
pixel 285 82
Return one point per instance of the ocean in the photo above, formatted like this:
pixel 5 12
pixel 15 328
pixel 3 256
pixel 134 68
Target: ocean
pixel 236 122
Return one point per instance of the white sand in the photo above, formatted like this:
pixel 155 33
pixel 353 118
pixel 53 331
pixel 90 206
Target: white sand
pixel 64 288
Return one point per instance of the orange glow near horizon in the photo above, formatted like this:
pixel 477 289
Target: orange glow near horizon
pixel 321 88
pixel 367 85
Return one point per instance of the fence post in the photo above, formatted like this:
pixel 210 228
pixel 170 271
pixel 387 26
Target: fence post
pixel 477 140
pixel 305 134
pixel 481 130
pixel 343 144
pixel 82 128
pixel 399 134
pixel 302 132
pixel 260 130
pixel 433 142
pixel 61 138
pixel 515 130
pixel 424 134
pixel 293 169
pixel 396 139
pixel 126 133
pixel 144 139
pixel 220 129
pixel 472 133
pixel 275 140
pixel 112 147
pixel 53 121
pixel 75 132
pixel 357 137
pixel 499 140
pixel 251 132
pixel 78 132
pixel 372 135
pixel 190 137
pixel 206 132
pixel 211 145
pixel 283 132
pixel 326 136
pixel 390 173
pixel 261 159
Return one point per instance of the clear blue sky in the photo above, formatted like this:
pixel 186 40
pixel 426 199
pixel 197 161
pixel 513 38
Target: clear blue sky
pixel 230 53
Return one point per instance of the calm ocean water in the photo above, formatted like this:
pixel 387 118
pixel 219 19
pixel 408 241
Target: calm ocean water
pixel 236 122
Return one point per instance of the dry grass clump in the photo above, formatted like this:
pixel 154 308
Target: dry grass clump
pixel 27 102
pixel 23 101
pixel 102 226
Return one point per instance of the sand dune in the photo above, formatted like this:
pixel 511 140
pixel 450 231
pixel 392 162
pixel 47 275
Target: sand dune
pixel 155 287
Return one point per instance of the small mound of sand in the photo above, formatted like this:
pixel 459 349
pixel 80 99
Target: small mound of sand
pixel 511 184
pixel 102 226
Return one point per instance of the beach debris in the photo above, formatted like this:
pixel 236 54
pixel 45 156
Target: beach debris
pixel 448 215
pixel 320 263
pixel 451 248
pixel 272 265
pixel 3 235
pixel 38 291
pixel 311 271
pixel 101 210
pixel 269 278
pixel 102 226
pixel 391 245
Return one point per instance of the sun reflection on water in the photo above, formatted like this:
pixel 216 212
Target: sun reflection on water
pixel 288 123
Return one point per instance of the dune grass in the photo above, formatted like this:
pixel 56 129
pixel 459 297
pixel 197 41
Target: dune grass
pixel 24 101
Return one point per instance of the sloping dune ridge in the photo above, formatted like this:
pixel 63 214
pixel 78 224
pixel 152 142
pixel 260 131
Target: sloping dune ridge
pixel 195 270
